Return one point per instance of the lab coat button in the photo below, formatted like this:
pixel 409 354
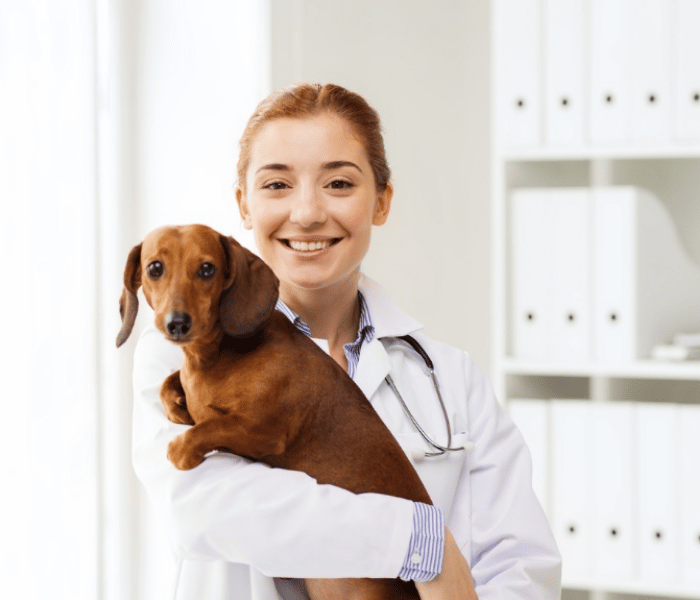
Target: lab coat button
pixel 416 558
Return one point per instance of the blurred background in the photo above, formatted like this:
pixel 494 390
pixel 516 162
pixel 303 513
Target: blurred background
pixel 117 116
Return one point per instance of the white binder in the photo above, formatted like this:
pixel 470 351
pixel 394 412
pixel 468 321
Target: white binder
pixel 570 254
pixel 531 416
pixel 564 68
pixel 551 274
pixel 689 496
pixel 572 483
pixel 658 453
pixel 646 287
pixel 687 62
pixel 518 57
pixel 615 536
pixel 609 89
pixel 530 277
pixel 651 27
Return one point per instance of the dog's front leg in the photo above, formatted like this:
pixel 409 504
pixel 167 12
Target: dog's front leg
pixel 172 395
pixel 226 433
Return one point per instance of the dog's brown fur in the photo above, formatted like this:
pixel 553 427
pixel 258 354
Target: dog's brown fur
pixel 253 385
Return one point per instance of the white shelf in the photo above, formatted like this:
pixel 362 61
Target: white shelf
pixel 641 369
pixel 544 154
pixel 668 590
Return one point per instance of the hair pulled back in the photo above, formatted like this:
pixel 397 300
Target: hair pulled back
pixel 308 100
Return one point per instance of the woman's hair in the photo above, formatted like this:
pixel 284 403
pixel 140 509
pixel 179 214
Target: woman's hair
pixel 308 100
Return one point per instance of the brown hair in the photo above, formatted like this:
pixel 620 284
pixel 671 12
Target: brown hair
pixel 308 100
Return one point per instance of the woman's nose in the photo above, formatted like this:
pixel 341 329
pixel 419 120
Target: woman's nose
pixel 308 208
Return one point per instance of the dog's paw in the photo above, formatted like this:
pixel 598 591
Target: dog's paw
pixel 177 412
pixel 181 455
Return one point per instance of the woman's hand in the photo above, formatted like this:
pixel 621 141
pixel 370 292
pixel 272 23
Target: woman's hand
pixel 455 582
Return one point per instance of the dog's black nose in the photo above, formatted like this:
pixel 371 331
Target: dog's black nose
pixel 178 323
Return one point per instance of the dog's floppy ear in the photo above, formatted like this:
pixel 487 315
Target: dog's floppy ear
pixel 129 302
pixel 248 301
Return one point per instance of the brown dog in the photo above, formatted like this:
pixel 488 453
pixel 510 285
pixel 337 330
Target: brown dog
pixel 253 385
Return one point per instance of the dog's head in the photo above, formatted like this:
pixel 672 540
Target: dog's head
pixel 195 278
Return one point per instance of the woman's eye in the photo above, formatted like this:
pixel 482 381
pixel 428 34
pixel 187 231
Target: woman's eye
pixel 275 185
pixel 155 269
pixel 340 184
pixel 206 271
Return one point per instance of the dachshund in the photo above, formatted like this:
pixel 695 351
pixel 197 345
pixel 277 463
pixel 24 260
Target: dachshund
pixel 253 385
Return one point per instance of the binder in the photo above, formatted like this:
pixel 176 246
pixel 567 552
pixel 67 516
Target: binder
pixel 609 89
pixel 518 57
pixel 572 485
pixel 689 496
pixel 615 535
pixel 687 63
pixel 551 274
pixel 646 287
pixel 530 277
pixel 531 416
pixel 571 221
pixel 564 69
pixel 650 45
pixel 658 453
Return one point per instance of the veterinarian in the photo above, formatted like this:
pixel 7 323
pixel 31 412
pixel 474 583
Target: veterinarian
pixel 313 181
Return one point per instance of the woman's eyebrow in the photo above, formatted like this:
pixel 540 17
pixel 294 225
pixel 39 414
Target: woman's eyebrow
pixel 337 164
pixel 274 167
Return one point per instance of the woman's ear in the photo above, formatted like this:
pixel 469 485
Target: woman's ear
pixel 248 302
pixel 243 208
pixel 382 205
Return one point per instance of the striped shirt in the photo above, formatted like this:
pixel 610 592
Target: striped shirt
pixel 423 560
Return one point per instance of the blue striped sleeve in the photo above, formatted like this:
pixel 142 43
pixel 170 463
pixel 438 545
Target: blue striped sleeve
pixel 427 545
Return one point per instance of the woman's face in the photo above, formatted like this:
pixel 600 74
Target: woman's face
pixel 311 200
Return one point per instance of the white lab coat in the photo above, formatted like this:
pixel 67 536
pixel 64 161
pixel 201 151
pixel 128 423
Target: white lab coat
pixel 236 524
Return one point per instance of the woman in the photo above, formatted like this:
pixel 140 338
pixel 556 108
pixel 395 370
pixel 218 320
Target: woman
pixel 312 182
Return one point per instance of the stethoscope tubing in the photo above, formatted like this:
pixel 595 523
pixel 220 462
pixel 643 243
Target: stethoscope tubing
pixel 440 450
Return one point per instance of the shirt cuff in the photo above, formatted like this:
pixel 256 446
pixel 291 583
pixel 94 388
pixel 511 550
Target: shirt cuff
pixel 427 544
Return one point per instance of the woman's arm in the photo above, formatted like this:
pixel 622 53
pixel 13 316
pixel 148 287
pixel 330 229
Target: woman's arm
pixel 281 522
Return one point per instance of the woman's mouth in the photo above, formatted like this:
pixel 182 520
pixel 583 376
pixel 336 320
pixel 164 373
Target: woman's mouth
pixel 310 245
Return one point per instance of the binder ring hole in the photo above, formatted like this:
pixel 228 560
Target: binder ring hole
pixel 565 101
pixel 572 528
pixel 652 98
pixel 530 316
pixel 613 532
pixel 613 317
pixel 696 97
pixel 658 534
pixel 520 103
pixel 609 99
pixel 571 317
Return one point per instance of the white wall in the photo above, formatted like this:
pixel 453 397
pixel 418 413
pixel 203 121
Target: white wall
pixel 425 67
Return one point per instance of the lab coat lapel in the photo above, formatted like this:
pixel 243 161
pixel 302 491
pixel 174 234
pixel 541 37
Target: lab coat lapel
pixel 372 367
pixel 388 321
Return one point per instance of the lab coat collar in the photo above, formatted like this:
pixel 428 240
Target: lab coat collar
pixel 388 321
pixel 387 318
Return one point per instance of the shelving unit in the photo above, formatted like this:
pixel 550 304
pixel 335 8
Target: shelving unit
pixel 664 164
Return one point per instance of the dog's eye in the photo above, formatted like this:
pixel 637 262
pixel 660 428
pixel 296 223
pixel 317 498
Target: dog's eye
pixel 155 269
pixel 206 271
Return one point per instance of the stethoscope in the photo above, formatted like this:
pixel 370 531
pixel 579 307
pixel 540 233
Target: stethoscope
pixel 439 450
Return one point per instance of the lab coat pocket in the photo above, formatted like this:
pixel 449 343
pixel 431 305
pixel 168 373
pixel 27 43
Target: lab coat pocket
pixel 440 474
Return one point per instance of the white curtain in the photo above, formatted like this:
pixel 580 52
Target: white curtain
pixel 115 116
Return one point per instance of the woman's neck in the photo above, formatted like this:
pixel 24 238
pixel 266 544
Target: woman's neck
pixel 332 314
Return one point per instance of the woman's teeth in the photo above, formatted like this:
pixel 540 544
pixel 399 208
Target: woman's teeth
pixel 309 246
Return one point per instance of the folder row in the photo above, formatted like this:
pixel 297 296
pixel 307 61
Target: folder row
pixel 592 72
pixel 596 274
pixel 620 482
